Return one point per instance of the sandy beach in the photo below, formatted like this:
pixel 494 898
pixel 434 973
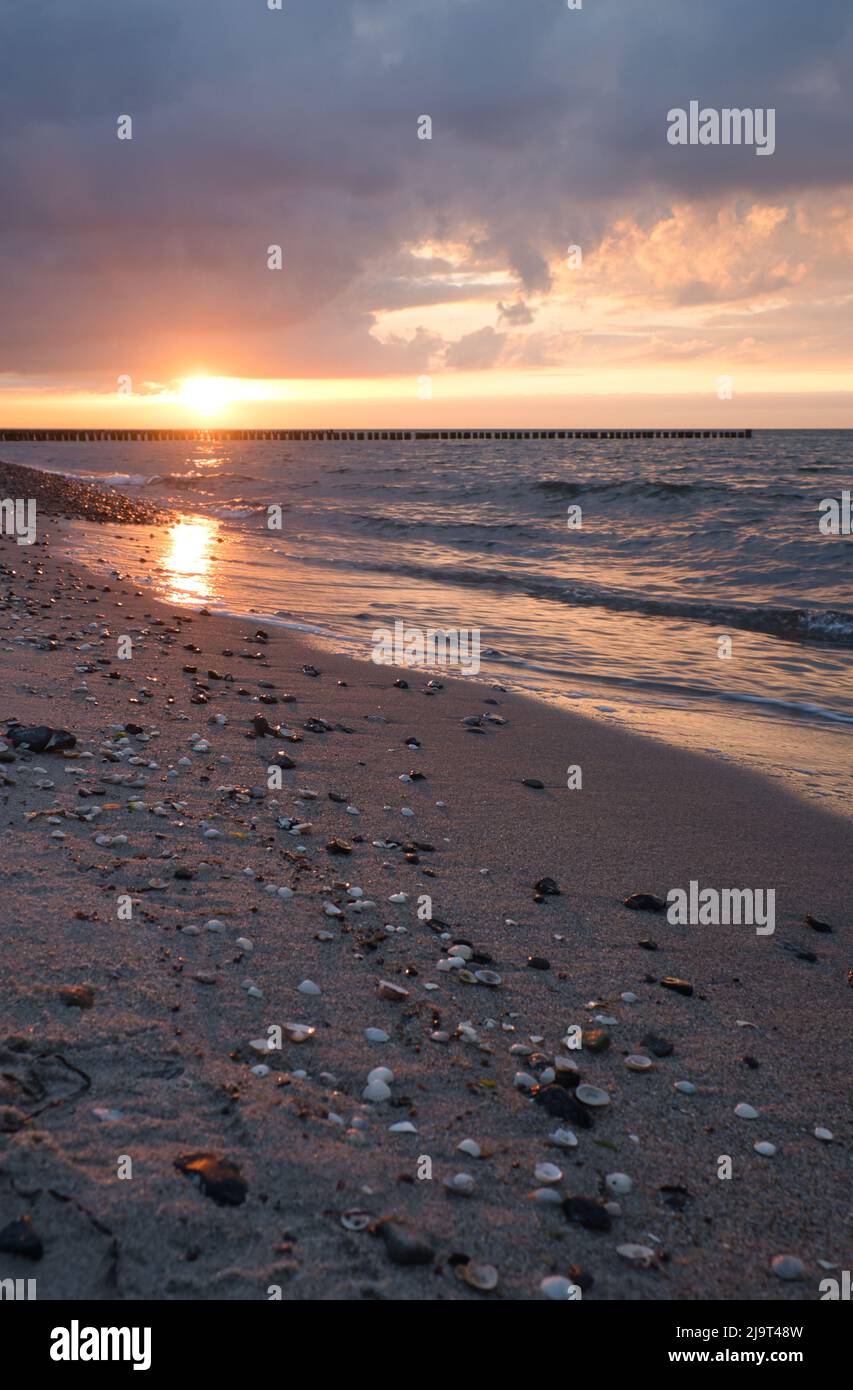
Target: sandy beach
pixel 126 1045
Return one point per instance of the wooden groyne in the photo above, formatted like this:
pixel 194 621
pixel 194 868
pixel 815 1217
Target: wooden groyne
pixel 213 433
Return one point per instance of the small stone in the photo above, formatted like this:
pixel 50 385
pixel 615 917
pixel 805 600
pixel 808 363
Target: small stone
pixel 685 1087
pixel 564 1138
pixel 387 990
pixel 582 1211
pixel 636 1062
pixel 547 1172
pixel 403 1127
pixel 637 1254
pixel 825 1134
pixel 309 987
pixel 460 1185
pixel 787 1267
pixel 534 783
pixel 298 1032
pixel 658 1047
pixel 816 924
pixel 402 1247
pixel 546 888
pixel 679 986
pixel 558 1289
pixel 563 1106
pixel 746 1112
pixel 645 902
pixel 766 1150
pixel 481 1277
pixel 218 1178
pixel 77 996
pixel 376 1091
pixel 21 1238
pixel 538 963
pixel 471 1148
pixel 377 1035
pixel 595 1040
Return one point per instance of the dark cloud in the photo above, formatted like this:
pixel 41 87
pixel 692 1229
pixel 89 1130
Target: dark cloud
pixel 299 127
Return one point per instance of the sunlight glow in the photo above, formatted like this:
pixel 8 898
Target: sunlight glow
pixel 206 395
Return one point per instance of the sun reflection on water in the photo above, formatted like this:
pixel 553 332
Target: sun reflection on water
pixel 187 561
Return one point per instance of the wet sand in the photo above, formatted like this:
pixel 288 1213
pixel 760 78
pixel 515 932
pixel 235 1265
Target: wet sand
pixel 159 1065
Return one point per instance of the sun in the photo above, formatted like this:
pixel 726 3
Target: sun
pixel 206 395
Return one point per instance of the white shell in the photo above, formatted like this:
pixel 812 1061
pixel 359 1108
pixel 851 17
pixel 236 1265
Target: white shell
pixel 592 1095
pixel 746 1112
pixel 619 1184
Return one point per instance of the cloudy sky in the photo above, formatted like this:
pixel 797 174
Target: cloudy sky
pixel 423 281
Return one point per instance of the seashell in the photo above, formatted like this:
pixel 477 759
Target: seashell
pixel 592 1095
pixel 564 1138
pixel 825 1134
pixel 547 1172
pixel 637 1062
pixel 464 975
pixel 546 1196
pixel 766 1150
pixel 402 1127
pixel 524 1081
pixel 260 1070
pixel 619 1184
pixel 685 1087
pixel 464 952
pixel 637 1254
pixel 488 977
pixel 746 1112
pixel 471 1148
pixel 309 987
pixel 298 1032
pixel 377 1035
pixel 356 1220
pixel 387 990
pixel 482 1277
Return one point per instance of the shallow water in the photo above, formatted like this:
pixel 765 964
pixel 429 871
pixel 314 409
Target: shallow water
pixel 681 543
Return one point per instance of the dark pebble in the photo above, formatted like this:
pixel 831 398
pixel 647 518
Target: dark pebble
pixel 538 963
pixel 339 847
pixel 21 1238
pixel 217 1177
pixel 558 1102
pixel 645 902
pixel 648 945
pixel 534 783
pixel 41 738
pixel 546 887
pixel 816 924
pixel 582 1211
pixel 402 1247
pixel 658 1047
pixel 401 685
pixel 78 996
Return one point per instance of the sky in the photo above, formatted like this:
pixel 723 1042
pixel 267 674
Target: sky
pixel 546 258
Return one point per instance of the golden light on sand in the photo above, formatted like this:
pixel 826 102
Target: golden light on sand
pixel 186 563
pixel 205 395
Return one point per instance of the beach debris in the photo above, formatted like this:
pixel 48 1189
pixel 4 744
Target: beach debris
pixel 40 738
pixel 678 986
pixel 816 924
pixel 787 1267
pixel 645 902
pixel 21 1238
pixel 339 847
pixel 218 1178
pixel 402 1246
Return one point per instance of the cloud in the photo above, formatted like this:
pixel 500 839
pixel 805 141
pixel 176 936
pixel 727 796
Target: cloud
pixel 255 127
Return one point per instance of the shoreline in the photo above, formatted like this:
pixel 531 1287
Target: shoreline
pixel 165 1046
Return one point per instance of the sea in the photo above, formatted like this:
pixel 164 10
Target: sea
pixel 681 588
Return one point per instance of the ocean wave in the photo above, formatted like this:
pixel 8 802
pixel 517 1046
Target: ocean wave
pixel 825 625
